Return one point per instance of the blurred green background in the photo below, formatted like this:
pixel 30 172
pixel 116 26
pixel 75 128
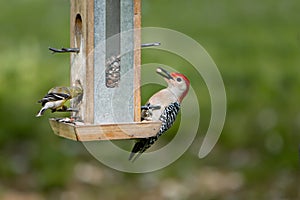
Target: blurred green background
pixel 256 46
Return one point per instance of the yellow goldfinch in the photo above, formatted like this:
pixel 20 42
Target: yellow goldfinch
pixel 57 97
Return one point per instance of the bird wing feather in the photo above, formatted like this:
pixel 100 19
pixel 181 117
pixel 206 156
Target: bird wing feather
pixel 54 97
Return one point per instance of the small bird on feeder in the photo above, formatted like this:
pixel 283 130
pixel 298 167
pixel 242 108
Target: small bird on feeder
pixel 58 96
pixel 164 106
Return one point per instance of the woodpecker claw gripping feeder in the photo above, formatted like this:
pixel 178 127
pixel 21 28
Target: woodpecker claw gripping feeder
pixel 109 71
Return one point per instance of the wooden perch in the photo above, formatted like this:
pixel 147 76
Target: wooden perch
pixel 91 132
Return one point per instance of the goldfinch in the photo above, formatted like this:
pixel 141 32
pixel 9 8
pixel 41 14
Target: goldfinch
pixel 57 97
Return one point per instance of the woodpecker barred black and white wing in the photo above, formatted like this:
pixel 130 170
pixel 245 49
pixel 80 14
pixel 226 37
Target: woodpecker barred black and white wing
pixel 167 118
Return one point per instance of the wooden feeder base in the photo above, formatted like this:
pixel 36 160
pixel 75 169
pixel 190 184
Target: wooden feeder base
pixel 120 131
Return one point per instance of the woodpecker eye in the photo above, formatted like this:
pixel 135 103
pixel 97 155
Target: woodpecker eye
pixel 178 79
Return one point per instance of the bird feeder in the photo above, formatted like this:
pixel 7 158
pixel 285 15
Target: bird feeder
pixel 109 71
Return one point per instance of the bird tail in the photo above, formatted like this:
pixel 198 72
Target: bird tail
pixel 134 156
pixel 41 112
pixel 140 147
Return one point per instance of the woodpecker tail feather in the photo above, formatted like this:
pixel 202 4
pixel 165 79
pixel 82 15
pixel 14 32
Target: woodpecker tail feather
pixel 141 146
pixel 138 147
pixel 136 157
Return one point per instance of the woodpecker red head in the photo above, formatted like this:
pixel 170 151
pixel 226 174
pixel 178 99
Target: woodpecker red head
pixel 178 83
pixel 164 106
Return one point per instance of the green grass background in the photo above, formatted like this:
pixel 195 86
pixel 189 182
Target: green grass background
pixel 256 46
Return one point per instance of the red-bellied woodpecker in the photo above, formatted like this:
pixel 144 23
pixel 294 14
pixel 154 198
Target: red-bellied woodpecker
pixel 57 97
pixel 164 106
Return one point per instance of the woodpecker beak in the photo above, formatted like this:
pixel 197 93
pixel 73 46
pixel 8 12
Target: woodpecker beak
pixel 164 73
